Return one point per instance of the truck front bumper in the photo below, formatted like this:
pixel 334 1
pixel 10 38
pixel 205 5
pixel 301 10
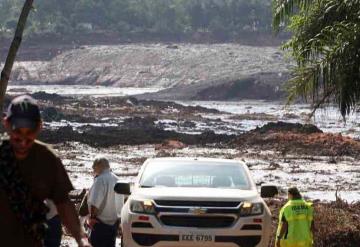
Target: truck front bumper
pixel 140 230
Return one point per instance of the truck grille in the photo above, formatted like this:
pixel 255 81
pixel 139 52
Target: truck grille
pixel 168 203
pixel 197 221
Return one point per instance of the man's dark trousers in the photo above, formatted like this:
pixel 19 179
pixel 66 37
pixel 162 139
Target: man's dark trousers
pixel 54 233
pixel 103 235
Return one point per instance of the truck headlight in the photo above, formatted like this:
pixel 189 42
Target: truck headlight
pixel 249 209
pixel 142 206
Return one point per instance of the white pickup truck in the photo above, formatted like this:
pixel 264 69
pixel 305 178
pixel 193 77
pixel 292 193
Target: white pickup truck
pixel 179 202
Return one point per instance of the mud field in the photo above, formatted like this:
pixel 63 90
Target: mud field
pixel 170 71
pixel 279 146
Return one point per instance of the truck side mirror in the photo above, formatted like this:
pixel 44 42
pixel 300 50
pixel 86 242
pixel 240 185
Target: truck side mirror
pixel 269 191
pixel 122 188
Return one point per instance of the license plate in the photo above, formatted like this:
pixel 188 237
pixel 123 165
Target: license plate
pixel 197 238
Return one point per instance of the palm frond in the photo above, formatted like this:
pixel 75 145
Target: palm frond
pixel 326 47
pixel 283 9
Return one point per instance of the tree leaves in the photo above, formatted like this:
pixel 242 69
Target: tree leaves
pixel 147 16
pixel 326 47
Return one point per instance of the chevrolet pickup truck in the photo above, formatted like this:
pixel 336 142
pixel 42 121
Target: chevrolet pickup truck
pixel 183 202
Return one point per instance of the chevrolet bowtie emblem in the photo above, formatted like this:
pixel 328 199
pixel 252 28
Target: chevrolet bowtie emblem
pixel 198 211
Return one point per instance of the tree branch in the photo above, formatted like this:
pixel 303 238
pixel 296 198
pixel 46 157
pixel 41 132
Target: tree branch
pixel 321 102
pixel 6 72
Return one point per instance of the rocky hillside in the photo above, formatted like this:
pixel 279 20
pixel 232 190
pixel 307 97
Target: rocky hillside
pixel 218 71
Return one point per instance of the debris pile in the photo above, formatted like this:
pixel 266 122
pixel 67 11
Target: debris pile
pixel 336 223
pixel 289 138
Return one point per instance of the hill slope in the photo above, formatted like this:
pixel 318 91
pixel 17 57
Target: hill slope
pixel 195 71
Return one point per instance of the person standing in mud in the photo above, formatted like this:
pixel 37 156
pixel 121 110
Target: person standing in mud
pixel 104 206
pixel 30 172
pixel 296 223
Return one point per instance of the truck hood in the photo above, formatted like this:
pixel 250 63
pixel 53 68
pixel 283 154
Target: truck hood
pixel 195 194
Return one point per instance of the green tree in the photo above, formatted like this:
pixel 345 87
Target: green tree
pixel 224 18
pixel 9 12
pixel 326 47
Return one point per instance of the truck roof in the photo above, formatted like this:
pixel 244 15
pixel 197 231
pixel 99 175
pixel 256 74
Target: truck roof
pixel 217 161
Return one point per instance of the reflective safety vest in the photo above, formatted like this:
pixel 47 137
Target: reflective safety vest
pixel 299 216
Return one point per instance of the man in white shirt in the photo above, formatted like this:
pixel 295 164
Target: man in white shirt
pixel 104 205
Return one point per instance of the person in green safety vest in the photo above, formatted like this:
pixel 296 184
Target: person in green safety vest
pixel 296 225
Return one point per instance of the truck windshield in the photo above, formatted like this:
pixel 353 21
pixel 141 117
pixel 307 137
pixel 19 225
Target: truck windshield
pixel 232 176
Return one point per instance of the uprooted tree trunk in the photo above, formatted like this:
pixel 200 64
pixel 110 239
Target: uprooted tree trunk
pixel 5 74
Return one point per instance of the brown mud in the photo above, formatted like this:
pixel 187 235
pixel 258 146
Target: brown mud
pixel 112 136
pixel 181 71
pixel 336 223
pixel 46 46
pixel 107 122
pixel 289 138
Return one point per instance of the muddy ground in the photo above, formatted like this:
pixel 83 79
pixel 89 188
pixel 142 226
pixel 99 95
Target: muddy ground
pixel 47 46
pixel 180 71
pixel 336 224
pixel 107 122
pixel 128 131
pixel 298 139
